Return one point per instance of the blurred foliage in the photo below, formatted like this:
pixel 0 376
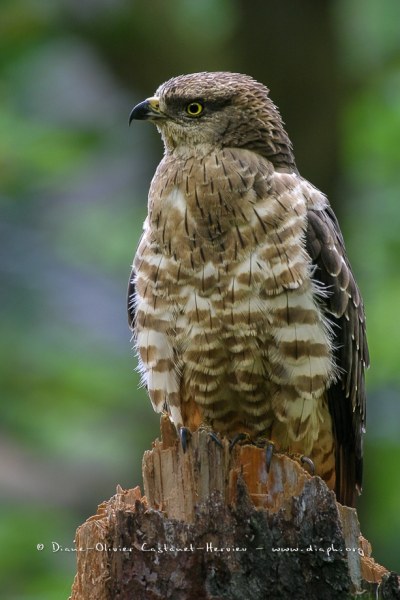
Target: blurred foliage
pixel 73 187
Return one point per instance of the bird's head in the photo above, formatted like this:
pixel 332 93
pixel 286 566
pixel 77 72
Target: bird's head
pixel 204 111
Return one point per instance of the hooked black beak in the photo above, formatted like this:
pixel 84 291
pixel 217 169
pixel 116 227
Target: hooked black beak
pixel 148 109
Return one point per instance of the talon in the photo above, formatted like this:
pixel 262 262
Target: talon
pixel 215 439
pixel 184 434
pixel 269 452
pixel 309 462
pixel 237 438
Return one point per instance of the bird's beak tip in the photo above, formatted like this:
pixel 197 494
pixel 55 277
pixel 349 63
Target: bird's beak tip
pixel 148 109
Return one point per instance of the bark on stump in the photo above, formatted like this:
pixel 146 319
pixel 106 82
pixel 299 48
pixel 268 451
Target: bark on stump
pixel 213 525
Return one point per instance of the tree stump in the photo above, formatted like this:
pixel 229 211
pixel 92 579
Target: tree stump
pixel 214 525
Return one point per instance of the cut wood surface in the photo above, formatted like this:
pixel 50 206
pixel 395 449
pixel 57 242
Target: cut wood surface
pixel 213 524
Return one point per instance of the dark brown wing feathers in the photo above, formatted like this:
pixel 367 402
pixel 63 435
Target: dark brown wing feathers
pixel 345 310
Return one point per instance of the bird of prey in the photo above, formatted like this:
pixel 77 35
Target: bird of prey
pixel 246 316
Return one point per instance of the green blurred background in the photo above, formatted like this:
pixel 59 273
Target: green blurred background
pixel 74 183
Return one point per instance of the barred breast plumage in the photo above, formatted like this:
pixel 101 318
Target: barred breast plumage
pixel 230 322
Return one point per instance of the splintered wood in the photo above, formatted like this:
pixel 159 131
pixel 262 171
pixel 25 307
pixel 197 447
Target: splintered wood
pixel 176 481
pixel 213 524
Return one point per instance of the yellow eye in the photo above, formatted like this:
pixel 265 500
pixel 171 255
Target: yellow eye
pixel 194 109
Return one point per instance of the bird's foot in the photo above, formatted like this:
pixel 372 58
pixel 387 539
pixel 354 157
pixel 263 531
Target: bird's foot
pixel 214 436
pixel 184 436
pixel 215 439
pixel 306 460
pixel 269 452
pixel 269 448
pixel 239 437
pixel 261 443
